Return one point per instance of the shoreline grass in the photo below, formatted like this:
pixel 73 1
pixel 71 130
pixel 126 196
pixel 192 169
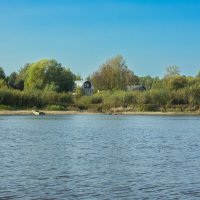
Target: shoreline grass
pixel 48 112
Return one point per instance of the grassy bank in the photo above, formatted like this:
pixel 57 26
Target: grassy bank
pixel 157 100
pixel 148 101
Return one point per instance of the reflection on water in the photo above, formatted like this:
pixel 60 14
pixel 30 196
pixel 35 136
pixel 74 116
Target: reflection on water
pixel 99 157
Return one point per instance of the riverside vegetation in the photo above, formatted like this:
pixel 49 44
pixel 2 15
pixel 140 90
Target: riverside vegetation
pixel 46 84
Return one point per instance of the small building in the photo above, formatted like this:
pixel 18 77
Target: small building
pixel 136 87
pixel 86 86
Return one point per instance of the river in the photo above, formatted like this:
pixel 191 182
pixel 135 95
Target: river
pixel 91 157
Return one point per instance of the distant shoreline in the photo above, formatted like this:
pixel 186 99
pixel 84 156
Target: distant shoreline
pixel 29 112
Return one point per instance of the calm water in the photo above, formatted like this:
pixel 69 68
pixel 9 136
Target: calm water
pixel 99 157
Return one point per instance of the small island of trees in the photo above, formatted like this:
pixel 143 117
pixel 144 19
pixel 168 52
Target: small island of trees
pixel 48 85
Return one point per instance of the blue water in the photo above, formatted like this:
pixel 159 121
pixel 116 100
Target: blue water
pixel 99 157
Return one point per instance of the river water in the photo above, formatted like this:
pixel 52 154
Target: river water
pixel 90 157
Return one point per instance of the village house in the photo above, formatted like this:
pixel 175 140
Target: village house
pixel 86 86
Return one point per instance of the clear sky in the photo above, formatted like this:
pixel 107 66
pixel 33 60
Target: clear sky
pixel 82 34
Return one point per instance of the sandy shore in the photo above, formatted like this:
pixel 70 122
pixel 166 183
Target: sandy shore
pixel 29 112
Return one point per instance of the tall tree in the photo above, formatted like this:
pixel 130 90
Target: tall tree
pixel 2 74
pixel 113 75
pixel 172 71
pixel 49 74
pixel 12 79
pixel 178 82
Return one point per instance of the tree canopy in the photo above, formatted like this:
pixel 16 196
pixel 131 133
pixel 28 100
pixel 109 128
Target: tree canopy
pixel 113 75
pixel 172 71
pixel 45 84
pixel 12 79
pixel 2 74
pixel 49 75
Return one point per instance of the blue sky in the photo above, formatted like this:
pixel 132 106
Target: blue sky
pixel 82 34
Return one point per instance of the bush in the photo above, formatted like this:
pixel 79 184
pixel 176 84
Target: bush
pixel 158 96
pixel 96 100
pixel 129 98
pixel 146 107
pixel 178 97
pixel 55 107
pixel 194 97
pixel 34 98
pixel 84 102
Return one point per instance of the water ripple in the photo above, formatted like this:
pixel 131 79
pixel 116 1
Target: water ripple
pixel 99 157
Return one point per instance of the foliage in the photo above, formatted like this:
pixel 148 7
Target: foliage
pixel 2 74
pixel 12 79
pixel 55 107
pixel 47 84
pixel 151 82
pixel 3 84
pixel 194 95
pixel 172 71
pixel 49 75
pixel 113 75
pixel 178 97
pixel 34 98
pixel 175 83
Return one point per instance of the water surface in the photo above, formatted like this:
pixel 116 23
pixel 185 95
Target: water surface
pixel 99 157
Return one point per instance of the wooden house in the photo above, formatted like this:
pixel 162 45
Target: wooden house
pixel 86 86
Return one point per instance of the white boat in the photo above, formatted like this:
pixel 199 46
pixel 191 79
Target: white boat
pixel 37 112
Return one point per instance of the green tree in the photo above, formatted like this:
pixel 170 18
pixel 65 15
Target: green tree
pixel 113 75
pixel 12 79
pixel 3 84
pixel 49 74
pixel 150 82
pixel 23 72
pixel 21 77
pixel 176 83
pixel 2 74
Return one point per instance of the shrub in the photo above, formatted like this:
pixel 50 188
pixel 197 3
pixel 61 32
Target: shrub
pixel 96 100
pixel 178 97
pixel 84 102
pixel 55 107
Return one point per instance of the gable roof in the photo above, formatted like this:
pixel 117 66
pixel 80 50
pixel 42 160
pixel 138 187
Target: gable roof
pixel 81 84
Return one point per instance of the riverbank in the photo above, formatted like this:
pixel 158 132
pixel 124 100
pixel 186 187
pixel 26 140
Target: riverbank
pixel 29 112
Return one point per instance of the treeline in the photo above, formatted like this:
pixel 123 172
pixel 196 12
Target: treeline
pixel 45 75
pixel 49 85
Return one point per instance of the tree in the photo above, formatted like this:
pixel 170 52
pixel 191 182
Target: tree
pixel 3 84
pixel 23 72
pixel 12 79
pixel 49 74
pixel 20 77
pixel 113 75
pixel 176 83
pixel 172 71
pixel 150 82
pixel 2 74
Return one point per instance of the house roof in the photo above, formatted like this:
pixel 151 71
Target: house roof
pixel 81 83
